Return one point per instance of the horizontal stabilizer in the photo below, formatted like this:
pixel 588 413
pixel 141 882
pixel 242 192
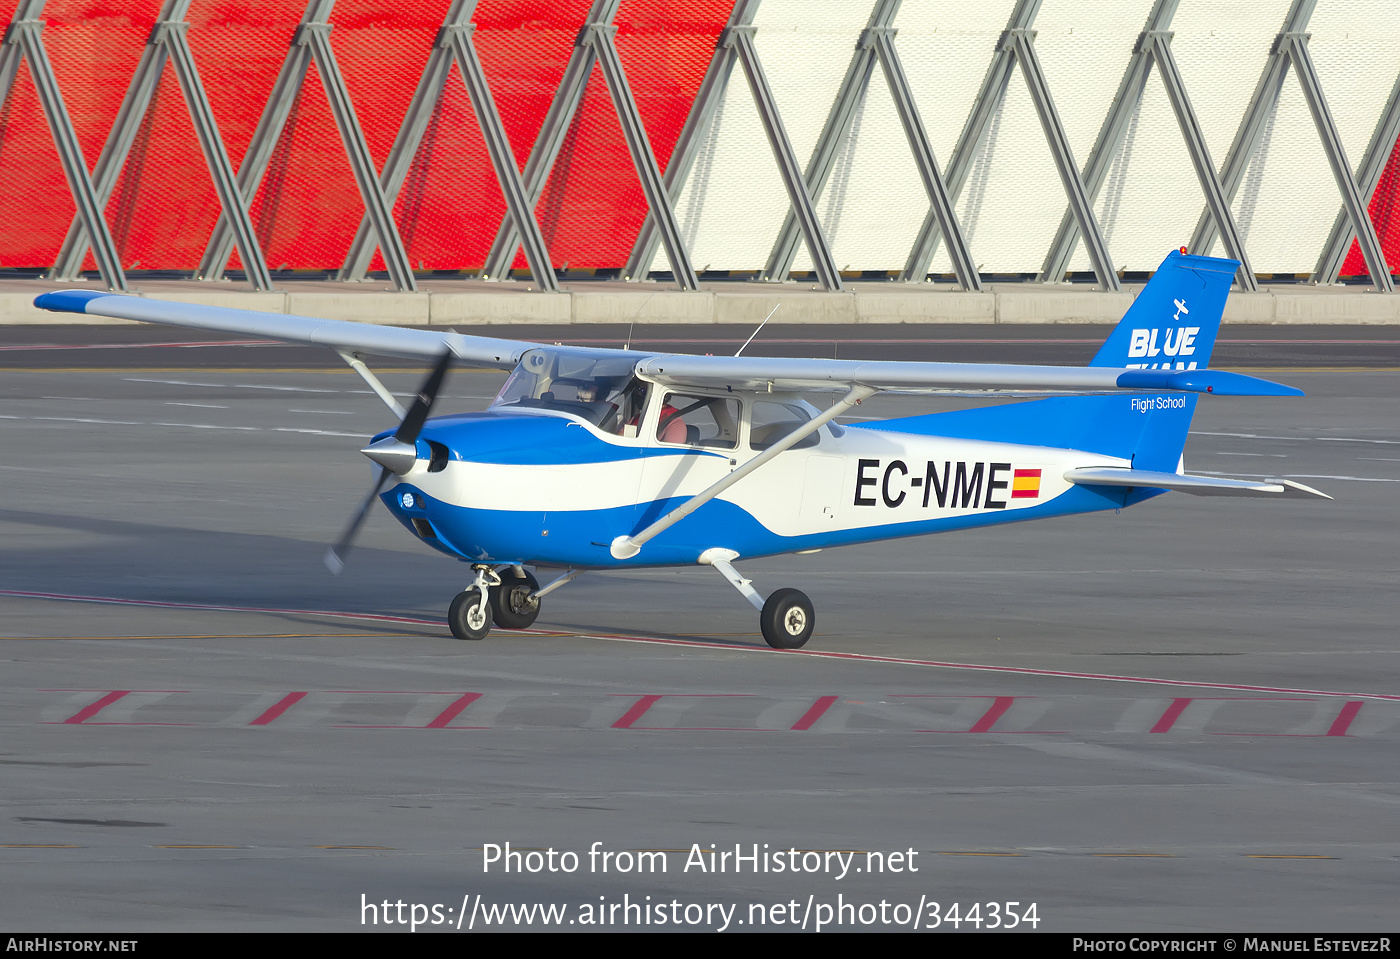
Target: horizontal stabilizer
pixel 1195 485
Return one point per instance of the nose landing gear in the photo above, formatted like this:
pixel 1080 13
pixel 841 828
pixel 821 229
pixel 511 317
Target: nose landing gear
pixel 507 595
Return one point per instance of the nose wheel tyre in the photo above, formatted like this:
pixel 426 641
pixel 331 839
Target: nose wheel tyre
pixel 787 619
pixel 513 603
pixel 466 618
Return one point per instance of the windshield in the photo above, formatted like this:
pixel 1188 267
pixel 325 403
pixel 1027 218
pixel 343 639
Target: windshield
pixel 598 387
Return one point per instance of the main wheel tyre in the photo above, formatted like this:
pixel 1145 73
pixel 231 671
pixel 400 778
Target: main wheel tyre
pixel 513 603
pixel 466 618
pixel 787 619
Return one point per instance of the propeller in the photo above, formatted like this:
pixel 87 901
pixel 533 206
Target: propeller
pixel 394 454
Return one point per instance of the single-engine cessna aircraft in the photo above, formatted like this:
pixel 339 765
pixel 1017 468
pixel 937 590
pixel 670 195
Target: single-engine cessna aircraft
pixel 592 459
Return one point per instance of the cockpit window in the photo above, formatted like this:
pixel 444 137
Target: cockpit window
pixel 599 388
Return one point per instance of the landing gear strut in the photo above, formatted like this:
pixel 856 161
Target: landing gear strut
pixel 507 595
pixel 469 616
pixel 786 618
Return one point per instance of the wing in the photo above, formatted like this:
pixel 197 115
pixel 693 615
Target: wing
pixel 337 334
pixel 748 373
pixel 794 375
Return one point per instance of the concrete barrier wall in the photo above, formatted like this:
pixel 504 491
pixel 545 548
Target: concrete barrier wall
pixel 743 304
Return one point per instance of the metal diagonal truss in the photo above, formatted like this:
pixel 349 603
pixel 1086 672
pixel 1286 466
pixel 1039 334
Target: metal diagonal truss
pixel 23 40
pixel 741 38
pixel 1017 47
pixel 877 43
pixel 1153 47
pixel 693 134
pixel 1368 177
pixel 596 44
pixel 312 43
pixel 167 42
pixel 454 43
pixel 1291 47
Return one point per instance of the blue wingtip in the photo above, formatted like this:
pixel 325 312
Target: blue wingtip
pixel 67 301
pixel 1215 382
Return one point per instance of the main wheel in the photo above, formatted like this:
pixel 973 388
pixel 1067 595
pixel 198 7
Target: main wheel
pixel 787 619
pixel 513 603
pixel 466 618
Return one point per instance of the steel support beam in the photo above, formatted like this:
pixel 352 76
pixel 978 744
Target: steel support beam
pixel 312 43
pixel 551 136
pixel 318 36
pixel 1022 41
pixel 1368 177
pixel 838 125
pixel 596 44
pixel 1251 129
pixel 974 132
pixel 1353 203
pixel 110 161
pixel 168 41
pixel 24 38
pixel 963 265
pixel 410 136
pixel 1110 138
pixel 801 201
pixel 693 133
pixel 1216 202
pixel 454 43
pixel 648 173
pixel 260 148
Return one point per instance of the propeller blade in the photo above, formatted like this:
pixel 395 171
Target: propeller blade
pixel 405 436
pixel 335 556
pixel 413 420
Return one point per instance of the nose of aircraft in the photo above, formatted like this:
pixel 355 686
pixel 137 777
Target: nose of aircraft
pixel 393 454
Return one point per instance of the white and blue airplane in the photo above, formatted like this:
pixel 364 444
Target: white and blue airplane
pixel 595 459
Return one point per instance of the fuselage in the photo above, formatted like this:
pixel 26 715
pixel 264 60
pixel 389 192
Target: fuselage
pixel 526 485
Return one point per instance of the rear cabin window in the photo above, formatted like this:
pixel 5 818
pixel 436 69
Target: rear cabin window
pixel 708 421
pixel 772 421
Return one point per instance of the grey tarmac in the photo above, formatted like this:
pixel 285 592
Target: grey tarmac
pixel 1180 718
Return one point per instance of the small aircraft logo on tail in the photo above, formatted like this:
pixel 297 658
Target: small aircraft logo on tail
pixel 1180 309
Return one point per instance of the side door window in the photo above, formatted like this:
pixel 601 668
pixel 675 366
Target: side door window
pixel 772 421
pixel 693 420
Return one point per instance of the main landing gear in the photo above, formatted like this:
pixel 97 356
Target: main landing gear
pixel 786 618
pixel 508 596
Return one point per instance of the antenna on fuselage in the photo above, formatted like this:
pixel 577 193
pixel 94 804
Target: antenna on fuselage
pixel 632 322
pixel 760 327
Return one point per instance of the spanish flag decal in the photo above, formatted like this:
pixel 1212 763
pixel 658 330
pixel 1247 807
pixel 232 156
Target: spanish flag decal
pixel 1025 484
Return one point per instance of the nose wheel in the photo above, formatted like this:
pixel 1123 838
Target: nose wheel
pixel 508 596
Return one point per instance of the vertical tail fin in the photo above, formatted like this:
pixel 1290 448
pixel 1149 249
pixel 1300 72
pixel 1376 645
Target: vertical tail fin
pixel 1174 320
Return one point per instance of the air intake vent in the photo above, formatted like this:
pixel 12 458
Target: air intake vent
pixel 423 528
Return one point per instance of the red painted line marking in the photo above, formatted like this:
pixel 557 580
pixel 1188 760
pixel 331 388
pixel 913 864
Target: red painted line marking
pixel 637 711
pixel 732 647
pixel 998 709
pixel 817 711
pixel 1172 714
pixel 286 703
pixel 981 667
pixel 88 712
pixel 1344 718
pixel 453 711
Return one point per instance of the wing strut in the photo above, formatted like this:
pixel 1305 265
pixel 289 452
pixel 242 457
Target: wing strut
pixel 625 547
pixel 358 365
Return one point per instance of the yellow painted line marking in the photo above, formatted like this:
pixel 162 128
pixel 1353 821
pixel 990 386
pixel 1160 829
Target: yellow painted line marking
pixel 354 847
pixel 1275 856
pixel 1133 855
pixel 36 845
pixel 199 847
